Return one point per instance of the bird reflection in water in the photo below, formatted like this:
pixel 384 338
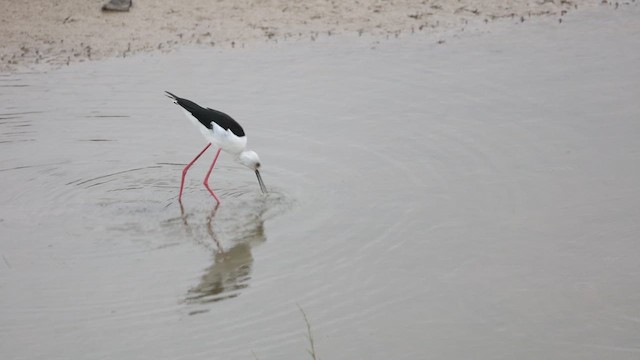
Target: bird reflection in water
pixel 231 269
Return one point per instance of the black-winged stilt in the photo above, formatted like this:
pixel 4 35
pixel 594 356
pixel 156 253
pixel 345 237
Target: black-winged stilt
pixel 223 132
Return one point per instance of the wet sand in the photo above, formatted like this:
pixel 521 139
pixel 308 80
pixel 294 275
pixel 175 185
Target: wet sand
pixel 44 34
pixel 472 199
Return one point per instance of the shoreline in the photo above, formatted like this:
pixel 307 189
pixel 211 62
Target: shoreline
pixel 72 31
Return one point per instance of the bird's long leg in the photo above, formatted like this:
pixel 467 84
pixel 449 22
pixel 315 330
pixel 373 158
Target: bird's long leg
pixel 186 168
pixel 206 178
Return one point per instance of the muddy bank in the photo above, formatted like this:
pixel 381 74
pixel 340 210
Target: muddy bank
pixel 36 34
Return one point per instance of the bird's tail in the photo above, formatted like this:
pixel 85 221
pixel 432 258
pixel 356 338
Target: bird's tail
pixel 172 96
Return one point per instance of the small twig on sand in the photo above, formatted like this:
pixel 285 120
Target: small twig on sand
pixel 312 350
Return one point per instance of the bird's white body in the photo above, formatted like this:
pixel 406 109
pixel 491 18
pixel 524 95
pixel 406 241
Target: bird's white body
pixel 219 137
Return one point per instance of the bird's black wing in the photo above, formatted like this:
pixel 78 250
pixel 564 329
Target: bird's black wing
pixel 208 116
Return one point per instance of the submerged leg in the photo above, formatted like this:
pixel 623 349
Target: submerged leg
pixel 186 168
pixel 206 178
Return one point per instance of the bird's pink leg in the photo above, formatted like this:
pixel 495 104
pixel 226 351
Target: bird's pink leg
pixel 206 178
pixel 186 168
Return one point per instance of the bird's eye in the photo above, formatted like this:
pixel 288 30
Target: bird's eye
pixel 257 165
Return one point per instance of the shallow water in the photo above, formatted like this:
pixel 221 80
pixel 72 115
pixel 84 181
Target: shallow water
pixel 475 199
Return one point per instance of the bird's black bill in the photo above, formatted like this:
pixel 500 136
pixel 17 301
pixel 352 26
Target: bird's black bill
pixel 262 187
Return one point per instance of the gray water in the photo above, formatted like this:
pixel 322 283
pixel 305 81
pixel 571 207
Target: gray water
pixel 476 199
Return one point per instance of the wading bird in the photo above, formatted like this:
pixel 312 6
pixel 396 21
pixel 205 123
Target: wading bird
pixel 224 133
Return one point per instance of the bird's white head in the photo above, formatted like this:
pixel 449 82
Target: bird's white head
pixel 251 160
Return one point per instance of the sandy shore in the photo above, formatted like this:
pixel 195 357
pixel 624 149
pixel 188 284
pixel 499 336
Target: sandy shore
pixel 41 34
